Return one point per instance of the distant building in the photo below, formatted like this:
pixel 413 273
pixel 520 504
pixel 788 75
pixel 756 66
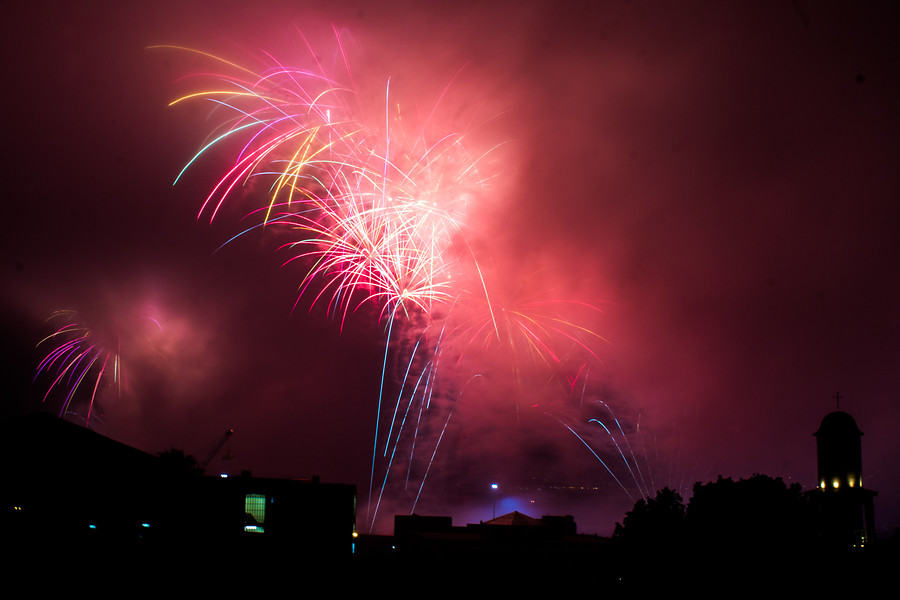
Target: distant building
pixel 66 485
pixel 512 537
pixel 844 508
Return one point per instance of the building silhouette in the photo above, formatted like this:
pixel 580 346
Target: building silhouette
pixel 844 508
pixel 65 486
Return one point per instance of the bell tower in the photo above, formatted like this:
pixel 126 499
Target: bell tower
pixel 839 451
pixel 844 506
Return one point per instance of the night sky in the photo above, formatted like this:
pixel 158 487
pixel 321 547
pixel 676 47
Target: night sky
pixel 720 179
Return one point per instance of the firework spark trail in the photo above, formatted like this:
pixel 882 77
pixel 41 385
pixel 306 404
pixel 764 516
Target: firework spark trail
pixel 75 356
pixel 379 217
pixel 634 459
pixel 86 352
pixel 644 450
pixel 622 455
pixel 592 451
pixel 375 222
pixel 387 472
pixel 378 220
pixel 400 398
pixel 415 435
pixel 422 384
pixel 532 335
pixel 378 418
pixel 548 353
pixel 424 404
pixel 431 460
pixel 547 346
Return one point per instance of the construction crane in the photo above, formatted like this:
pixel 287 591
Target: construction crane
pixel 228 433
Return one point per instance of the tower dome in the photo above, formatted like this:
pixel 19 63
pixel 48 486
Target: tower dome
pixel 844 507
pixel 839 450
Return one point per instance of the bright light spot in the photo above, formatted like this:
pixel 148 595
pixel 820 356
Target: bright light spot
pixel 494 486
pixel 224 475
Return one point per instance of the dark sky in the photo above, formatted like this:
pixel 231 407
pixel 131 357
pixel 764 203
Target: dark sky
pixel 719 178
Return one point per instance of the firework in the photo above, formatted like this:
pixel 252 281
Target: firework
pixel 80 354
pixel 379 213
pixel 372 209
pixel 84 360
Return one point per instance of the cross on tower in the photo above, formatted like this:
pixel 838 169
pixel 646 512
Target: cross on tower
pixel 837 398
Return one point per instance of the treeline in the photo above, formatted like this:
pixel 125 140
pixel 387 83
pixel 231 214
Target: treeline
pixel 759 512
pixel 756 533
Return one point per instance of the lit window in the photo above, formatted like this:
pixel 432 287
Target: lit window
pixel 255 512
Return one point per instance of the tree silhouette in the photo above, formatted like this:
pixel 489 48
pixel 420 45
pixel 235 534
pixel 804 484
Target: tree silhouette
pixel 752 514
pixel 658 522
pixel 748 513
pixel 175 462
